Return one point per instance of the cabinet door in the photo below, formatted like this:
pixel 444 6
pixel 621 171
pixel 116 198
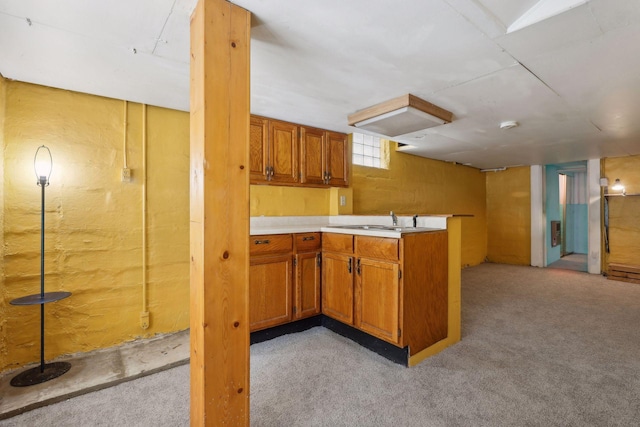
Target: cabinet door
pixel 337 286
pixel 258 149
pixel 307 287
pixel 270 290
pixel 337 161
pixel 377 298
pixel 312 156
pixel 283 153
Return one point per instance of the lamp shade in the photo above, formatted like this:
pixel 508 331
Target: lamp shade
pixel 42 164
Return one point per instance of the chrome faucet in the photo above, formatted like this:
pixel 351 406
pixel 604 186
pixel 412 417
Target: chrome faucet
pixel 394 218
pixel 415 221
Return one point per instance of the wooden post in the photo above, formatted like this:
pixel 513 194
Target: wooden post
pixel 219 184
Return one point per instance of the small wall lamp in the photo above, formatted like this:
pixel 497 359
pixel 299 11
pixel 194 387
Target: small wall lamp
pixel 617 186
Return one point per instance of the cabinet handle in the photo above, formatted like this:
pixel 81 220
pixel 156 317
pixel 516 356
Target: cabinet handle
pixel 349 265
pixel 304 239
pixel 358 267
pixel 262 242
pixel 319 260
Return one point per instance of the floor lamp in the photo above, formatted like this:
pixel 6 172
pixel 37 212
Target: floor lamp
pixel 43 163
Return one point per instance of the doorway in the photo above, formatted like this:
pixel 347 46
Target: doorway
pixel 567 215
pixel 546 207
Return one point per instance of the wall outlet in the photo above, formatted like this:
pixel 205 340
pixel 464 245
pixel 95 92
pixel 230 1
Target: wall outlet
pixel 126 175
pixel 144 320
pixel 343 200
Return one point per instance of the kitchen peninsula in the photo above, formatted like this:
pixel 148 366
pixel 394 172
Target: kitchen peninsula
pixel 394 289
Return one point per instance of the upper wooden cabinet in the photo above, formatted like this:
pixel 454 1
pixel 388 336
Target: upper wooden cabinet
pixel 337 159
pixel 323 157
pixel 273 151
pixel 259 149
pixel 312 156
pixel 284 153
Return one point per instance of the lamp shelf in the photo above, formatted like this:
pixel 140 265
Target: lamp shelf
pixel 36 299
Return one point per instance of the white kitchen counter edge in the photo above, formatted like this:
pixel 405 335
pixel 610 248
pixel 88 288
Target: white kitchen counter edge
pixel 308 224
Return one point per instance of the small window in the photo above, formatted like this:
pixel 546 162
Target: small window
pixel 368 151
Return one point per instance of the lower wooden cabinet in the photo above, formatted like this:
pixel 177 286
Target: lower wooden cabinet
pixel 377 298
pixel 393 289
pixel 337 286
pixel 284 278
pixel 270 290
pixel 308 262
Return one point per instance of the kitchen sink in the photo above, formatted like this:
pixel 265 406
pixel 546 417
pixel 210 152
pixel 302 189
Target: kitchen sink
pixel 365 227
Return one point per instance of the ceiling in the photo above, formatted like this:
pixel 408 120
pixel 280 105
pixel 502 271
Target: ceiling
pixel 568 71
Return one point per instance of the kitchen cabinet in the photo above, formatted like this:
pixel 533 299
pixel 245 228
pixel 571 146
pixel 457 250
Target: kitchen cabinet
pixel 273 151
pixel 312 156
pixel 323 157
pixel 337 159
pixel 270 280
pixel 393 289
pixel 337 276
pixel 283 153
pixel 259 167
pixel 284 278
pixel 377 287
pixel 308 258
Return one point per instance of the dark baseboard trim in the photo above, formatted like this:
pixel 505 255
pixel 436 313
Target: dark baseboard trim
pixel 287 328
pixel 388 351
pixel 383 348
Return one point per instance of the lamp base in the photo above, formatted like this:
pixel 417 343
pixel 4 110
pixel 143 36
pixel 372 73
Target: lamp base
pixel 37 375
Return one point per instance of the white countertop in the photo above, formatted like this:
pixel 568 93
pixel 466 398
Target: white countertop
pixel 308 224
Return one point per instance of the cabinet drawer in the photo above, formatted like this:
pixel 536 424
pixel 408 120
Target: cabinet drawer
pixel 271 243
pixel 307 241
pixel 377 247
pixel 337 242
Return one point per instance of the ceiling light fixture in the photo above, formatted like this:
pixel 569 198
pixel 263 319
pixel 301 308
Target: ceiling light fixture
pixel 400 116
pixel 509 124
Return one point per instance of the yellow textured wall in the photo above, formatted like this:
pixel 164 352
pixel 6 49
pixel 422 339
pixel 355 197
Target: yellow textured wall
pixel 509 216
pixel 414 184
pixel 273 200
pixel 624 212
pixel 93 221
pixel 3 292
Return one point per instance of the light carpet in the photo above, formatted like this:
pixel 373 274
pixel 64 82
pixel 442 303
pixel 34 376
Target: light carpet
pixel 540 347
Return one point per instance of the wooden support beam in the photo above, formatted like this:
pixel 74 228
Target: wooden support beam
pixel 219 185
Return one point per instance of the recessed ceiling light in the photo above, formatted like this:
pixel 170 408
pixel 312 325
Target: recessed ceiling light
pixel 509 124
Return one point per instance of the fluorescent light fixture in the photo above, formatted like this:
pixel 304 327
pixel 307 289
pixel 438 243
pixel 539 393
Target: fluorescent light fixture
pixel 400 116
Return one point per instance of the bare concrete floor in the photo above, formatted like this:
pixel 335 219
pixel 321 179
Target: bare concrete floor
pixel 94 371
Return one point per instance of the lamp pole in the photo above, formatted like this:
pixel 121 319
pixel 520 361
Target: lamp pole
pixel 43 164
pixel 43 183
